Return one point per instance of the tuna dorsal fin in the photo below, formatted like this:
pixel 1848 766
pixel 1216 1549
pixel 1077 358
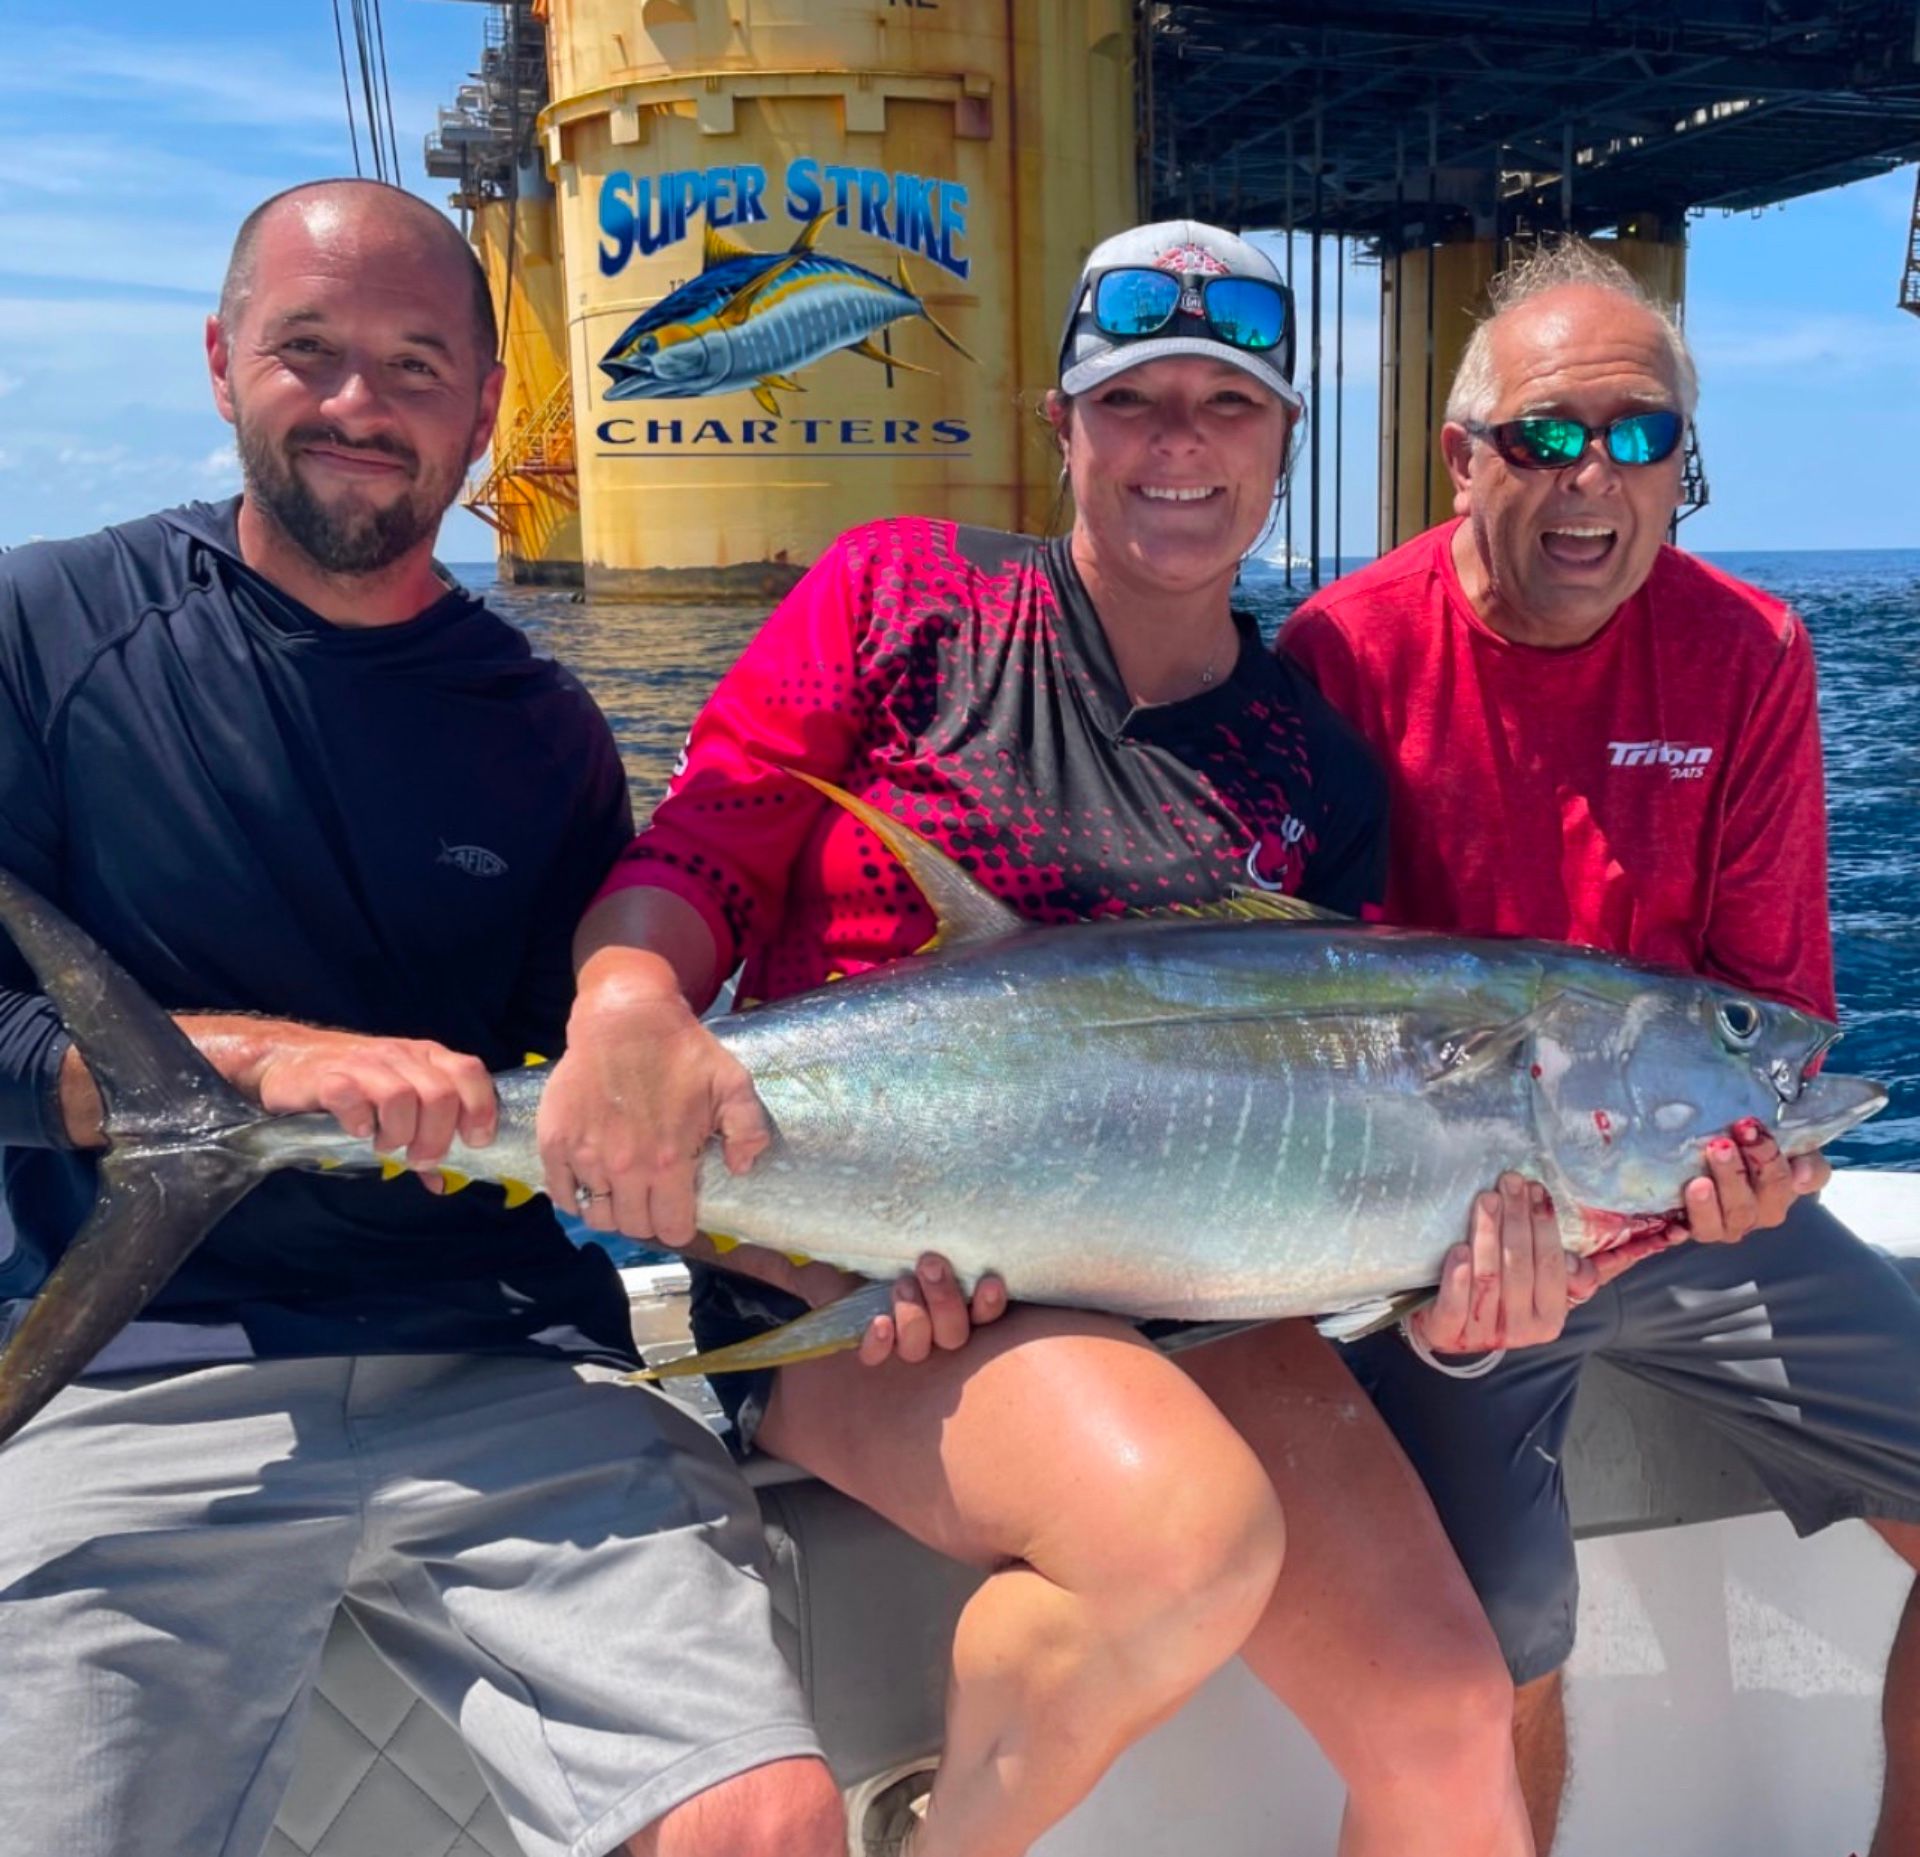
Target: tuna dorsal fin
pixel 809 233
pixel 1249 906
pixel 717 248
pixel 966 910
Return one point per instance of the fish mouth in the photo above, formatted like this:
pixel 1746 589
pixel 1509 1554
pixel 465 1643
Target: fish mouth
pixel 630 383
pixel 1825 1110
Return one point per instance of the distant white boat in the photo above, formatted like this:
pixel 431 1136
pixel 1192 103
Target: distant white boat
pixel 1276 556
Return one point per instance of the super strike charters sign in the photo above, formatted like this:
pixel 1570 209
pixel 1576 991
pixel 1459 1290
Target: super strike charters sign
pixel 753 317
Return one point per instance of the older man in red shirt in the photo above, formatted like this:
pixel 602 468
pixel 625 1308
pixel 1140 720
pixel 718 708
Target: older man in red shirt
pixel 1593 737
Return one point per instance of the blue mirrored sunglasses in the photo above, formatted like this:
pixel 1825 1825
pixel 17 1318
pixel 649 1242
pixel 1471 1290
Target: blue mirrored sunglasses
pixel 1131 302
pixel 1551 444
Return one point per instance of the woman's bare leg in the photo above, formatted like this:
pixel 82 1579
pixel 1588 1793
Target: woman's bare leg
pixel 1133 1537
pixel 1373 1637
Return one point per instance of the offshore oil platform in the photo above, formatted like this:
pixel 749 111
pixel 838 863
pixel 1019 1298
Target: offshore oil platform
pixel 768 269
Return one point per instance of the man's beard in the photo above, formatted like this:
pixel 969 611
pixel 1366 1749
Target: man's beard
pixel 355 536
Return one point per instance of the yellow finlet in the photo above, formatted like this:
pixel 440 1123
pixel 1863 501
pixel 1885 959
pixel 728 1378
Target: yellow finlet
pixel 1248 906
pixel 533 1060
pixel 391 1169
pixel 722 1244
pixel 454 1181
pixel 518 1192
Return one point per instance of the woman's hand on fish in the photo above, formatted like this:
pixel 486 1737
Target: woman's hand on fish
pixel 641 1090
pixel 1511 1284
pixel 1749 1185
pixel 929 1312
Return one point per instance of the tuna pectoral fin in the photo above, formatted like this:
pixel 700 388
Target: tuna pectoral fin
pixel 1457 1053
pixel 831 1329
pixel 150 1212
pixel 1370 1317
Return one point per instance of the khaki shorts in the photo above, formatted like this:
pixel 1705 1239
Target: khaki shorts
pixel 567 1568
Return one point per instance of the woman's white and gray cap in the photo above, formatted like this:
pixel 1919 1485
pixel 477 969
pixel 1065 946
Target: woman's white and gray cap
pixel 1187 247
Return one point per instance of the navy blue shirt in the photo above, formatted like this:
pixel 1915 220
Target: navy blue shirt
pixel 390 829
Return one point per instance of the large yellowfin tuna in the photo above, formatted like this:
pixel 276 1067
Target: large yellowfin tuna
pixel 751 320
pixel 1217 1114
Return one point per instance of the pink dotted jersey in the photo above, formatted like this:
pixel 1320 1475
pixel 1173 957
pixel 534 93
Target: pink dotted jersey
pixel 1656 791
pixel 960 680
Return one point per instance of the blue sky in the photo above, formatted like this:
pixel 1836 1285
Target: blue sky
pixel 140 134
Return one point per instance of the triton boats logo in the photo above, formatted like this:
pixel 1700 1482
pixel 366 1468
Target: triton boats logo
pixel 1682 759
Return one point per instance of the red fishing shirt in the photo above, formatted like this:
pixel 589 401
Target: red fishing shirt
pixel 1655 791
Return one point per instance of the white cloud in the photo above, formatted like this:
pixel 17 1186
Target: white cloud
pixel 220 468
pixel 206 82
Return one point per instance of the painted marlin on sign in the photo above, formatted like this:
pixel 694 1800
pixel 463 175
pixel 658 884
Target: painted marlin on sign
pixel 752 319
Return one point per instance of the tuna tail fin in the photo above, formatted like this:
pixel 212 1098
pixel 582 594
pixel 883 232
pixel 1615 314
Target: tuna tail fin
pixel 939 328
pixel 831 1329
pixel 966 910
pixel 167 1177
pixel 150 1212
pixel 150 1077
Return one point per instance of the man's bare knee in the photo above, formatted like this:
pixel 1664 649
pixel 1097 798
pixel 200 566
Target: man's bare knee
pixel 786 1808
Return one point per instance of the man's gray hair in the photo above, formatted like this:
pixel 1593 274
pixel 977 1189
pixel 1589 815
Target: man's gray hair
pixel 1476 392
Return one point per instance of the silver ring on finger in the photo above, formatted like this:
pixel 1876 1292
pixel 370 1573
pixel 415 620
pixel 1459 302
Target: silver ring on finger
pixel 584 1196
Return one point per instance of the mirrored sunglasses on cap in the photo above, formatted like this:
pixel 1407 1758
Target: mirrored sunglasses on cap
pixel 1552 444
pixel 1130 302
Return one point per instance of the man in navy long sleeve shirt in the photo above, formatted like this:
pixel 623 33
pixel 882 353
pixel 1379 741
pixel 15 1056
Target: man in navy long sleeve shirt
pixel 336 816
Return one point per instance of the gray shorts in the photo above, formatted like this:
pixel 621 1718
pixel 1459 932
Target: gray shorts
pixel 1802 1345
pixel 567 1568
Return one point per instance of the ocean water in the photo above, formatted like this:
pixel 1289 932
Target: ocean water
pixel 650 667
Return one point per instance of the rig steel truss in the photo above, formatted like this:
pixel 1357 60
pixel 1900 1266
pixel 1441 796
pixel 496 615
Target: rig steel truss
pixel 1441 118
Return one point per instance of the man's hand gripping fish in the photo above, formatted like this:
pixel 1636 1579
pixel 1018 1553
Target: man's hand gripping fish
pixel 1234 1112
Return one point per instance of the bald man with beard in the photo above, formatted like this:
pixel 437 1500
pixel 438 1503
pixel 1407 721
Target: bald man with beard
pixel 337 817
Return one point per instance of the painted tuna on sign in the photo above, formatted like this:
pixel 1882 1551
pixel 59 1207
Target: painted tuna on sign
pixel 751 320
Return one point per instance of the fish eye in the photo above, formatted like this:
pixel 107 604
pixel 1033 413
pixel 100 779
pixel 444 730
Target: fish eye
pixel 1739 1022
